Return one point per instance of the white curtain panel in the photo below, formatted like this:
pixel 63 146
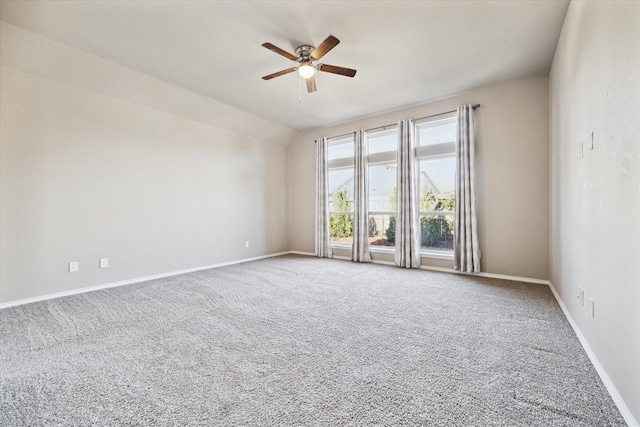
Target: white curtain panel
pixel 323 236
pixel 466 253
pixel 360 248
pixel 407 221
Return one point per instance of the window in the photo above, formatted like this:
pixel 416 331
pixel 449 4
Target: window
pixel 382 194
pixel 340 155
pixel 436 166
pixel 435 150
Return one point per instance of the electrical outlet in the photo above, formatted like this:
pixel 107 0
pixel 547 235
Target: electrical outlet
pixel 246 244
pixel 592 303
pixel 74 266
pixel 104 262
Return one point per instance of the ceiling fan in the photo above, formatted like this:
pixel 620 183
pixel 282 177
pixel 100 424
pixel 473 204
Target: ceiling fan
pixel 307 65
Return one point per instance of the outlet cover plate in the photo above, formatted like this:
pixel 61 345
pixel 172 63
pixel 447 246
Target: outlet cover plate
pixel 581 296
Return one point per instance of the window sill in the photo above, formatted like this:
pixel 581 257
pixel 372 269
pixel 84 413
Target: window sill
pixel 341 246
pixel 382 249
pixel 392 250
pixel 437 255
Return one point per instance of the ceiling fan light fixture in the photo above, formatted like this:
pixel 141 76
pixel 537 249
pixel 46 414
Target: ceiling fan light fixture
pixel 306 70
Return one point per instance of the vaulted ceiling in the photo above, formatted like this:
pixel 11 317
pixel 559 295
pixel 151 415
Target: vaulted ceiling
pixel 406 52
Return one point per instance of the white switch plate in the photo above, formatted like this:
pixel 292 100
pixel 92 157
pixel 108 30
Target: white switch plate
pixel 104 262
pixel 73 266
pixel 246 244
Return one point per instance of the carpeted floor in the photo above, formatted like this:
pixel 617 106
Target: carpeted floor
pixel 300 341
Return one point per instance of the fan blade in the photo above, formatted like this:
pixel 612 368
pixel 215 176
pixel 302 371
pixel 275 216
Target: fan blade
pixel 279 73
pixel 279 51
pixel 337 70
pixel 324 47
pixel 311 84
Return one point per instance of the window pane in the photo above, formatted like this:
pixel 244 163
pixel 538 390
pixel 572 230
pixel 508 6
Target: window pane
pixel 383 189
pixel 437 132
pixel 340 150
pixel 437 184
pixel 341 228
pixel 383 141
pixel 436 232
pixel 382 230
pixel 341 190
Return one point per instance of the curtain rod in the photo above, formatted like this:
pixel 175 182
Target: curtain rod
pixel 340 136
pixel 475 107
pixel 337 136
pixel 381 127
pixel 435 115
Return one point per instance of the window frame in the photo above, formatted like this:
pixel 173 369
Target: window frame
pixel 341 163
pixel 380 158
pixel 440 150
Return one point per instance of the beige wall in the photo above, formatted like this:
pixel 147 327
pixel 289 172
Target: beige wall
pixel 512 175
pixel 595 200
pixel 86 175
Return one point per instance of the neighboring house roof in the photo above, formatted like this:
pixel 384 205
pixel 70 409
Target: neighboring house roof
pixel 381 185
pixel 429 183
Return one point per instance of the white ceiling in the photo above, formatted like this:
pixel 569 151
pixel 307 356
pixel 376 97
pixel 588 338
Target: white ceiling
pixel 406 52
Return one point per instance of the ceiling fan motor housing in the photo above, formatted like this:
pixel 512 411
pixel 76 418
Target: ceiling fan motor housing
pixel 304 53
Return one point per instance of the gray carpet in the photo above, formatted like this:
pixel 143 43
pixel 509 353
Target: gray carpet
pixel 299 341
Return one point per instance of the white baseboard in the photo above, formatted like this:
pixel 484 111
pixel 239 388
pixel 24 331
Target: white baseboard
pixel 617 399
pixel 129 281
pixel 374 261
pixel 301 253
pixel 489 275
pixel 383 262
pixel 507 277
pixel 448 270
pixel 190 270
